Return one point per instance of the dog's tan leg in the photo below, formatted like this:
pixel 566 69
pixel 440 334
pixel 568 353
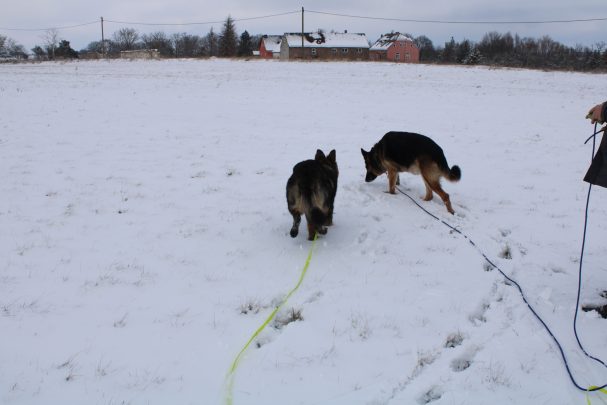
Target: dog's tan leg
pixel 431 176
pixel 311 231
pixel 392 176
pixel 443 195
pixel 428 195
pixel 447 202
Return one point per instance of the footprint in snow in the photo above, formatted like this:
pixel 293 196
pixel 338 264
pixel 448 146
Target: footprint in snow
pixel 363 237
pixel 454 340
pixel 478 317
pixel 464 361
pixel 433 394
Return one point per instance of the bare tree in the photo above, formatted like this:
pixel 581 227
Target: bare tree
pixel 126 38
pixel 9 48
pixel 158 40
pixel 188 46
pixel 427 52
pixel 51 41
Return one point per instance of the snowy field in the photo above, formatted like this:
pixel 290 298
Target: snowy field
pixel 144 235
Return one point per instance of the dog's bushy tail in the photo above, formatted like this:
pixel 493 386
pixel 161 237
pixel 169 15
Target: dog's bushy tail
pixel 455 173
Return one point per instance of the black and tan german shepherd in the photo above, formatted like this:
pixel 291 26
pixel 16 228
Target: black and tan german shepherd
pixel 311 191
pixel 414 153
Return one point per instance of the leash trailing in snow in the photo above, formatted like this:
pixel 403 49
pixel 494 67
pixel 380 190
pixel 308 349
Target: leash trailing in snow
pixel 592 388
pixel 232 371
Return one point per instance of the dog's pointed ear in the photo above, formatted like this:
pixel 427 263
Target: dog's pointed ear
pixel 365 153
pixel 319 155
pixel 332 156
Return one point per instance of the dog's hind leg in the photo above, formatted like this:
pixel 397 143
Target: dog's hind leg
pixel 436 187
pixel 431 175
pixel 428 195
pixel 296 222
pixel 311 228
pixel 316 221
pixel 447 201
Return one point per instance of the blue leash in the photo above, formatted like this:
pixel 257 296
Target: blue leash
pixel 556 341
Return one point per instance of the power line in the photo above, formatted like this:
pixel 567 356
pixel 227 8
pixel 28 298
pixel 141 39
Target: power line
pixel 150 24
pixel 408 20
pixel 205 22
pixel 457 22
pixel 50 28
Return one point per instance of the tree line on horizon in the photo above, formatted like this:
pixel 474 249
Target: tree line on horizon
pixel 494 49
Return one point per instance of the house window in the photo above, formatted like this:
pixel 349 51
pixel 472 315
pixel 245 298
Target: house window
pixel 314 53
pixel 397 56
pixel 407 56
pixel 344 50
pixel 334 51
pixel 359 51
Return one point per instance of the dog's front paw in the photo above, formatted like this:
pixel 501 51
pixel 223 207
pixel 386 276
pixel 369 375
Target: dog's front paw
pixel 294 233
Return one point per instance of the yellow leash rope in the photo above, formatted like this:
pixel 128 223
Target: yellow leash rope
pixel 593 387
pixel 236 362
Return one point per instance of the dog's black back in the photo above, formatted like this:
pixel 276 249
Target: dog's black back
pixel 405 148
pixel 311 191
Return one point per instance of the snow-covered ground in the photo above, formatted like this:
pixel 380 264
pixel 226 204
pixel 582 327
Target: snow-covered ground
pixel 144 235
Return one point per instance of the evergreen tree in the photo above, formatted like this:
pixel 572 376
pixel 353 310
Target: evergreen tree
pixel 64 50
pixel 228 41
pixel 448 54
pixel 474 57
pixel 212 43
pixel 245 48
pixel 462 51
pixel 39 53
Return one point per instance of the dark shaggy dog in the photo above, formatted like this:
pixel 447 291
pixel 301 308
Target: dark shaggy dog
pixel 311 191
pixel 414 153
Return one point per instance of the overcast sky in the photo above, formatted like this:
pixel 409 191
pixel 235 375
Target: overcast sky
pixel 43 14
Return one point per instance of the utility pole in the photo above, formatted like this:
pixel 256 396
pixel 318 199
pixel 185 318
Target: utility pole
pixel 102 39
pixel 302 33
